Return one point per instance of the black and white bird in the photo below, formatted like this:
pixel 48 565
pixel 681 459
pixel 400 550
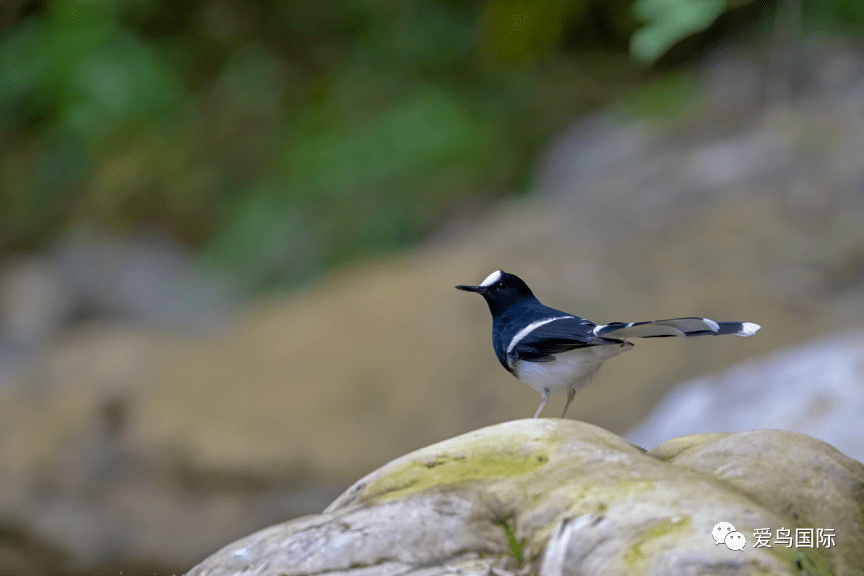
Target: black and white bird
pixel 550 350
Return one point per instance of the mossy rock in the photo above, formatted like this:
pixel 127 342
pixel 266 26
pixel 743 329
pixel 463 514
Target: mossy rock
pixel 555 496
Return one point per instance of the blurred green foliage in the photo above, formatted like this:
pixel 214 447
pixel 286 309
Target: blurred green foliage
pixel 668 21
pixel 281 138
pixel 840 16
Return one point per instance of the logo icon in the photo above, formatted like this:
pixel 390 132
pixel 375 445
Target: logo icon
pixel 720 531
pixel 735 541
pixel 725 533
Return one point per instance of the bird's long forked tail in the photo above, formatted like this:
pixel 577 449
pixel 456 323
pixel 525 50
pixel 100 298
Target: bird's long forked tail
pixel 674 327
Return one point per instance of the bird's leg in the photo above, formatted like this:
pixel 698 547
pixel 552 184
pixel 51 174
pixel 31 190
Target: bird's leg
pixel 570 395
pixel 545 394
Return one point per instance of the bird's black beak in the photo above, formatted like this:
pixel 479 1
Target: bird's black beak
pixel 478 289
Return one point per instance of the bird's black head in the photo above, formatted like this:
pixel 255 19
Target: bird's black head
pixel 501 290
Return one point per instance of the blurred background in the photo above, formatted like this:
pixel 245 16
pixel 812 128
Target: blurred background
pixel 230 231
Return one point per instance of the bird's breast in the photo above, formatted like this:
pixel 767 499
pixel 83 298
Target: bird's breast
pixel 570 368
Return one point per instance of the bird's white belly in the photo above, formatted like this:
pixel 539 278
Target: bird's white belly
pixel 571 369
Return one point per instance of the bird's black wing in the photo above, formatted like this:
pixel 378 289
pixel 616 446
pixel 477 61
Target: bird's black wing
pixel 561 335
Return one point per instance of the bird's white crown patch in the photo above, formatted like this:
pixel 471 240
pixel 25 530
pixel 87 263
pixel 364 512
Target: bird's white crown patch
pixel 492 278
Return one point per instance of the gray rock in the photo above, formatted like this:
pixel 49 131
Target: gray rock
pixel 34 302
pixel 726 163
pixel 555 497
pixel 146 278
pixel 815 389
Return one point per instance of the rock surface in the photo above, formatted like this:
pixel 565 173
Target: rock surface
pixel 555 497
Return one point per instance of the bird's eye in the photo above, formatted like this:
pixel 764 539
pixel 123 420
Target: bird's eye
pixel 499 285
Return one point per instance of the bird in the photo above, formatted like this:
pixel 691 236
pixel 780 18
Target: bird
pixel 553 351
